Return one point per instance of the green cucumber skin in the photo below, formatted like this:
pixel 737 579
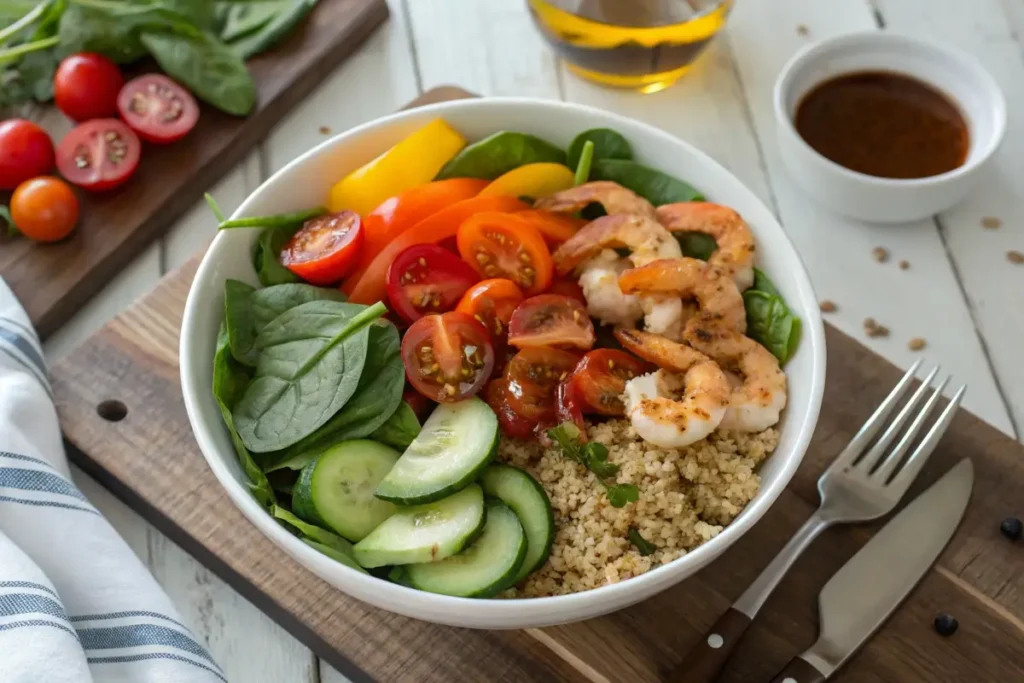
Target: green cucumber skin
pixel 445 491
pixel 490 481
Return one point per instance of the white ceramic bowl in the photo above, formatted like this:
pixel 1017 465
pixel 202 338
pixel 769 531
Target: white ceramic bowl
pixel 305 182
pixel 888 200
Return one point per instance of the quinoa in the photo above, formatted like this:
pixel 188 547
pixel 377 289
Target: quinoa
pixel 687 496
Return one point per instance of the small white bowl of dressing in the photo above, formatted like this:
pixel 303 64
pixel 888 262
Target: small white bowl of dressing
pixel 886 128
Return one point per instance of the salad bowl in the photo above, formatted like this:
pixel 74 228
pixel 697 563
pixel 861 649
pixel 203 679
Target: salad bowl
pixel 306 182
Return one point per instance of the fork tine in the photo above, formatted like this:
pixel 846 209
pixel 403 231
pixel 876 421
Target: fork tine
pixel 895 456
pixel 872 458
pixel 919 457
pixel 870 428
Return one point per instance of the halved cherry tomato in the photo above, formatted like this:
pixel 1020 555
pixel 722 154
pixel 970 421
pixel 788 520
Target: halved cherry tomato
pixel 569 407
pixel 511 424
pixel 99 154
pixel 427 279
pixel 26 151
pixel 401 212
pixel 532 376
pixel 44 209
pixel 447 356
pixel 420 404
pixel 157 108
pixel 85 86
pixel 504 245
pixel 551 320
pixel 600 378
pixel 555 227
pixel 368 285
pixel 325 248
pixel 492 303
pixel 567 286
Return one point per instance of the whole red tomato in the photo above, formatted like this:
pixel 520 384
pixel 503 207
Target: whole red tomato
pixel 86 86
pixel 26 151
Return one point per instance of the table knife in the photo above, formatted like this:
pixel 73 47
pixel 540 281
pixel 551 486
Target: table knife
pixel 867 589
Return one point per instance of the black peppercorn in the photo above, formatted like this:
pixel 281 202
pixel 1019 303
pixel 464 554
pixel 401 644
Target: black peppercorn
pixel 946 624
pixel 1012 528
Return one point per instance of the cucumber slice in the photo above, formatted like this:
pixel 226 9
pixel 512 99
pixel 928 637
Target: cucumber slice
pixel 335 489
pixel 335 554
pixel 485 568
pixel 425 533
pixel 530 502
pixel 455 443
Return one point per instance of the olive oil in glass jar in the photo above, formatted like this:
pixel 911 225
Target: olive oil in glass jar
pixel 640 44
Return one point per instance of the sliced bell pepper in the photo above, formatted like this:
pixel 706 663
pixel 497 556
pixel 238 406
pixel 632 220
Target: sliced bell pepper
pixel 413 161
pixel 370 284
pixel 554 227
pixel 531 180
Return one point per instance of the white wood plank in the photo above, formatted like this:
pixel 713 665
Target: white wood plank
pixel 993 284
pixel 924 301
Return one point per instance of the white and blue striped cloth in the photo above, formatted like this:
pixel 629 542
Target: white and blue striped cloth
pixel 76 604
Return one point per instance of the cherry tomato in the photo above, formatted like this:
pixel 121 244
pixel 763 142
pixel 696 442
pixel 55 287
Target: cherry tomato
pixel 511 424
pixel 44 208
pixel 85 86
pixel 532 376
pixel 551 320
pixel 492 303
pixel 26 151
pixel 99 154
pixel 569 406
pixel 447 356
pixel 325 248
pixel 554 227
pixel 507 246
pixel 567 286
pixel 157 108
pixel 419 403
pixel 427 279
pixel 600 379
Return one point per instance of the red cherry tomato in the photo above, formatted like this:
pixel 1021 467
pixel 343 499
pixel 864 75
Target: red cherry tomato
pixel 44 209
pixel 99 154
pixel 600 379
pixel 157 108
pixel 325 248
pixel 492 303
pixel 447 356
pixel 85 86
pixel 551 320
pixel 567 286
pixel 510 423
pixel 569 407
pixel 506 246
pixel 532 376
pixel 427 279
pixel 26 151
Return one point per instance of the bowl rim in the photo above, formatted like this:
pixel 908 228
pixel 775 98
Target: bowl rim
pixel 868 40
pixel 520 609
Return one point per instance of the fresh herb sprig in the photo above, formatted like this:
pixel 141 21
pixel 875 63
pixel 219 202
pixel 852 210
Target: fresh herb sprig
pixel 643 546
pixel 594 456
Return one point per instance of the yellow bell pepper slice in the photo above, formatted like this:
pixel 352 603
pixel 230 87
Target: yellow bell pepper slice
pixel 413 161
pixel 531 180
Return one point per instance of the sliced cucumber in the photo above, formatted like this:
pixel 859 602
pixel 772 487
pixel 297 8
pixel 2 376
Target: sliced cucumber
pixel 455 443
pixel 482 570
pixel 335 554
pixel 335 489
pixel 425 533
pixel 530 502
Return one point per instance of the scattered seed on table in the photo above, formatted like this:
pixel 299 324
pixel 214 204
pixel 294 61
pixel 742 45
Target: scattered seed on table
pixel 802 30
pixel 881 254
pixel 873 329
pixel 946 624
pixel 991 222
pixel 1012 528
pixel 828 306
pixel 1015 256
pixel 904 264
pixel 916 344
pixel 324 130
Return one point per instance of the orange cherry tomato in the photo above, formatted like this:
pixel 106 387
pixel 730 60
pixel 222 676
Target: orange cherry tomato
pixel 532 376
pixel 555 227
pixel 567 286
pixel 503 245
pixel 551 320
pixel 600 379
pixel 369 285
pixel 492 303
pixel 44 209
pixel 325 248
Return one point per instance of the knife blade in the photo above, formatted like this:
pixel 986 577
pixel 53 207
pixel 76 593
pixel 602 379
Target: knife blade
pixel 871 585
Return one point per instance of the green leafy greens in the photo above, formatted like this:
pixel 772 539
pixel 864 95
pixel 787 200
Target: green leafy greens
pixel 583 165
pixel 769 320
pixel 498 154
pixel 399 430
pixel 643 546
pixel 594 456
pixel 656 187
pixel 607 143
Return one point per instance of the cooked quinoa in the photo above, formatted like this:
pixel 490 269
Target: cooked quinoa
pixel 687 496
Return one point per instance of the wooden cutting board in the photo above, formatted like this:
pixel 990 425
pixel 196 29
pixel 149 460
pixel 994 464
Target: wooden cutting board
pixel 53 281
pixel 151 461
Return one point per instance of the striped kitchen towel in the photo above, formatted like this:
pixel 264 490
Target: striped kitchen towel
pixel 76 604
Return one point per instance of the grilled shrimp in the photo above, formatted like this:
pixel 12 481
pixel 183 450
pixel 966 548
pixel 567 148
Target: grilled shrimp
pixel 613 197
pixel 735 253
pixel 718 298
pixel 755 405
pixel 599 281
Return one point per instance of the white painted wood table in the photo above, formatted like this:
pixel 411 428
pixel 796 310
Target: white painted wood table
pixel 960 293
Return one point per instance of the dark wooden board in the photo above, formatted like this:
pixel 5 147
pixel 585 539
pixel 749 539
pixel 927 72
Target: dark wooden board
pixel 54 281
pixel 146 457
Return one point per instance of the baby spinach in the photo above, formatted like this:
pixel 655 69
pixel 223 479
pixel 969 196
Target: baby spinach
pixel 696 244
pixel 656 187
pixel 583 165
pixel 498 154
pixel 763 283
pixel 311 359
pixel 265 256
pixel 270 302
pixel 608 144
pixel 288 15
pixel 238 19
pixel 769 320
pixel 399 430
pixel 238 320
pixel 329 543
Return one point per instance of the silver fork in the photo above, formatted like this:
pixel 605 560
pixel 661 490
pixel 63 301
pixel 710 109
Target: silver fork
pixel 861 484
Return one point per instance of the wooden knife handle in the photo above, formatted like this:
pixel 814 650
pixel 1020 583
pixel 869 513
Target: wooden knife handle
pixel 799 671
pixel 704 662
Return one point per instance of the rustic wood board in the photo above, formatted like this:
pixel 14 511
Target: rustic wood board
pixel 151 461
pixel 54 281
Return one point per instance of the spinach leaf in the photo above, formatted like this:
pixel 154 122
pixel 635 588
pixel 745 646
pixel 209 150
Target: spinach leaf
pixel 237 19
pixel 399 430
pixel 238 319
pixel 771 324
pixel 583 166
pixel 229 384
pixel 311 359
pixel 115 29
pixel 656 187
pixel 205 66
pixel 327 542
pixel 6 221
pixel 763 283
pixel 498 154
pixel 274 30
pixel 265 256
pixel 696 244
pixel 608 144
pixel 270 302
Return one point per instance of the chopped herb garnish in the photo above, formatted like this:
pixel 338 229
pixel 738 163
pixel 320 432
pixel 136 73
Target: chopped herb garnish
pixel 593 456
pixel 642 544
